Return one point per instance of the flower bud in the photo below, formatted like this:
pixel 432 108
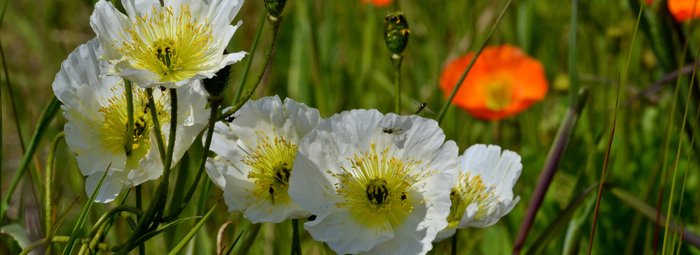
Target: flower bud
pixel 275 7
pixel 396 32
pixel 215 85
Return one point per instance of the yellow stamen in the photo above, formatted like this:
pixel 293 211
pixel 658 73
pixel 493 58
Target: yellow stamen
pixel 272 163
pixel 379 189
pixel 470 189
pixel 113 130
pixel 173 45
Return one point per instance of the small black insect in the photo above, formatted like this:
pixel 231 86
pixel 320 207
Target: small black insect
pixel 230 119
pixel 421 107
pixel 390 131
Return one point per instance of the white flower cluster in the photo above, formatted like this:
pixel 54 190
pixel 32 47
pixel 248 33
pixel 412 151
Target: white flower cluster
pixel 173 45
pixel 374 183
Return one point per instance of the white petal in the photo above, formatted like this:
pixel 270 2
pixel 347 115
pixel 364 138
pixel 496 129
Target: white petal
pixel 111 186
pixel 343 235
pixel 137 8
pixel 109 25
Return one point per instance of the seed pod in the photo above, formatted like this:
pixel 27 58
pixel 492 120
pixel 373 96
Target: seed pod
pixel 396 32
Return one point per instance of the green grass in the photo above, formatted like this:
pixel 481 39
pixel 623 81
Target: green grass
pixel 331 55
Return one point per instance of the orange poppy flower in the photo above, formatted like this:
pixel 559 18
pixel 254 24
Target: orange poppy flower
pixel 378 3
pixel 683 10
pixel 503 82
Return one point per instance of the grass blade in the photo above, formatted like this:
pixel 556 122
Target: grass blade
pixel 192 232
pixel 83 215
pixel 549 169
pixel 44 121
pixel 559 223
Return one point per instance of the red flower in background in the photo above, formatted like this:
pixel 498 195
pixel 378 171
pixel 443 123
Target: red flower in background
pixel 378 3
pixel 683 10
pixel 503 82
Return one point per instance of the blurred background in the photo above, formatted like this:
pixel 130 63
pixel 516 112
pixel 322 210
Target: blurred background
pixel 331 55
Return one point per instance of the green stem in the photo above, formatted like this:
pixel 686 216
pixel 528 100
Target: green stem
pixel 139 206
pixel 396 59
pixel 246 71
pixel 155 208
pixel 128 94
pixel 215 102
pixel 108 215
pixel 446 106
pixel 48 186
pixel 675 162
pixel 453 243
pixel 192 232
pixel 296 241
pixel 44 121
pixel 13 104
pixel 156 123
pixel 248 240
pixel 274 25
pixel 58 239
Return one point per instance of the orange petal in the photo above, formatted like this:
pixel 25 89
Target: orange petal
pixel 503 82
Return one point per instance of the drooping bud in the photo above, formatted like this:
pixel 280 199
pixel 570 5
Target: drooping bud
pixel 215 85
pixel 396 32
pixel 275 7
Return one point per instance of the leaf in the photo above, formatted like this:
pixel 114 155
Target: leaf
pixel 17 233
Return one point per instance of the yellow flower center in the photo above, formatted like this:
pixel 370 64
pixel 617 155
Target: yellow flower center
pixel 114 133
pixel 470 189
pixel 175 46
pixel 379 189
pixel 272 163
pixel 498 95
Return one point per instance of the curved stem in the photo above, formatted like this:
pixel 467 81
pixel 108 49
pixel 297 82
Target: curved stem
pixel 155 208
pixel 215 103
pixel 246 71
pixel 274 25
pixel 59 239
pixel 156 123
pixel 48 186
pixel 396 59
pixel 445 106
pixel 108 215
pixel 44 121
pixel 128 94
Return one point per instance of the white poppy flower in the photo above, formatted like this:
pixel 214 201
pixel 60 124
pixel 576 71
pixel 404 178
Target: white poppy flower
pixel 483 191
pixel 375 182
pixel 169 45
pixel 255 156
pixel 95 107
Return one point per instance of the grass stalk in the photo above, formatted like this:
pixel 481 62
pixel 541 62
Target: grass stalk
pixel 249 63
pixel 549 169
pixel 44 121
pixel 48 187
pixel 676 160
pixel 603 174
pixel 274 26
pixel 446 105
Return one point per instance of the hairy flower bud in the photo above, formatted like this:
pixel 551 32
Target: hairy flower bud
pixel 396 32
pixel 215 85
pixel 275 7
